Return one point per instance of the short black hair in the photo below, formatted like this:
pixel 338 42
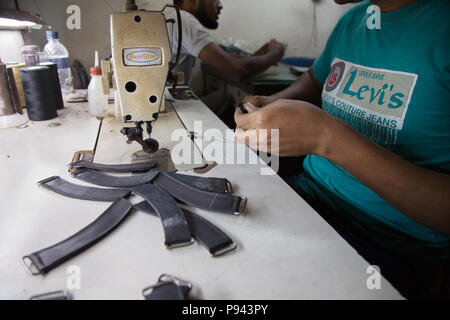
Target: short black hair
pixel 177 2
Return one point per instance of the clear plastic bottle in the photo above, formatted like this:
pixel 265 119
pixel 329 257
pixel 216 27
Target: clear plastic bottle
pixel 58 54
pixel 98 101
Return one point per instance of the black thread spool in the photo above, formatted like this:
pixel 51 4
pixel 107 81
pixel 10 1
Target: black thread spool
pixel 39 93
pixel 55 83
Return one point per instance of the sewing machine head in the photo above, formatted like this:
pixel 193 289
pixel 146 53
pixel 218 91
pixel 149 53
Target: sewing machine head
pixel 141 59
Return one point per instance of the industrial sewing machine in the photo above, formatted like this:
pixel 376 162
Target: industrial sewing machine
pixel 141 63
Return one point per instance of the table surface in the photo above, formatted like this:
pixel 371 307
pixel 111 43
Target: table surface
pixel 280 73
pixel 285 249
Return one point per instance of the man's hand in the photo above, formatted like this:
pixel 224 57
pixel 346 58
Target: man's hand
pixel 306 129
pixel 259 101
pixel 303 128
pixel 269 46
pixel 274 48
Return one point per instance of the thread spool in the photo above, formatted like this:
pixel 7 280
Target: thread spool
pixel 14 92
pixel 55 83
pixel 15 68
pixel 38 91
pixel 8 116
pixel 6 103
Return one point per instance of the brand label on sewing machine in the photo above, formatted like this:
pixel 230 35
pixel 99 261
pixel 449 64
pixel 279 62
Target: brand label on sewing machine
pixel 142 57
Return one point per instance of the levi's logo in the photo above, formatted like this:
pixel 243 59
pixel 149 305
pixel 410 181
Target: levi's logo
pixel 380 96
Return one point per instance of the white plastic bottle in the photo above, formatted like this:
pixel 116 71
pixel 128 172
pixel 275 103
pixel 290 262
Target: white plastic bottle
pixel 98 101
pixel 58 54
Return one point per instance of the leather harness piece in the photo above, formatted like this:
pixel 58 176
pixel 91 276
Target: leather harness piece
pixel 134 167
pixel 211 237
pixel 176 229
pixel 214 239
pixel 168 288
pixel 71 190
pixel 104 180
pixel 45 260
pixel 218 185
pixel 219 202
pixel 177 186
pixel 160 191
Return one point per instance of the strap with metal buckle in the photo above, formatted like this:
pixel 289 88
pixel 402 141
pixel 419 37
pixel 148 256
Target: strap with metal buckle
pixel 218 185
pixel 211 237
pixel 105 180
pixel 176 229
pixel 56 295
pixel 133 167
pixel 167 288
pixel 45 260
pixel 219 202
pixel 65 188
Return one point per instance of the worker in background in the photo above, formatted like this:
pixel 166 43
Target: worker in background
pixel 197 17
pixel 378 146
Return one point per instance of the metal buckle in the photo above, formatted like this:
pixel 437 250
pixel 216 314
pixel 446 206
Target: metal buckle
pixel 229 187
pixel 40 183
pixel 29 266
pixel 84 155
pixel 166 279
pixel 232 246
pixel 242 206
pixel 179 245
pixel 179 282
pixel 56 295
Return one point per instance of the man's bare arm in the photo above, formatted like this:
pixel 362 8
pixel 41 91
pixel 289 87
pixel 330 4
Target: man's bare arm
pixel 421 194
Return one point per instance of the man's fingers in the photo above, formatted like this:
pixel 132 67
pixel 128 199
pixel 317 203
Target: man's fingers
pixel 254 100
pixel 247 121
pixel 254 139
pixel 242 120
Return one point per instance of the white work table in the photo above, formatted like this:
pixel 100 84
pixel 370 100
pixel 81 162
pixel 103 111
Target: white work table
pixel 285 249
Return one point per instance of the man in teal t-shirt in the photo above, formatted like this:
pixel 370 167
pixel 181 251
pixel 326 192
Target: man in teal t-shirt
pixel 393 86
pixel 380 153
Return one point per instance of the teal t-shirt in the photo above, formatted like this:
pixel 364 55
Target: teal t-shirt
pixel 393 86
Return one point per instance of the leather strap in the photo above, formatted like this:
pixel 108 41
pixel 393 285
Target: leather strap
pixel 167 288
pixel 45 260
pixel 211 237
pixel 76 191
pixel 101 179
pixel 218 185
pixel 133 167
pixel 220 202
pixel 56 295
pixel 176 229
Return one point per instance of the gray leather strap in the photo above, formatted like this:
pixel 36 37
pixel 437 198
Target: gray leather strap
pixel 104 180
pixel 76 191
pixel 176 229
pixel 55 295
pixel 218 185
pixel 211 237
pixel 168 288
pixel 220 202
pixel 45 260
pixel 115 167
